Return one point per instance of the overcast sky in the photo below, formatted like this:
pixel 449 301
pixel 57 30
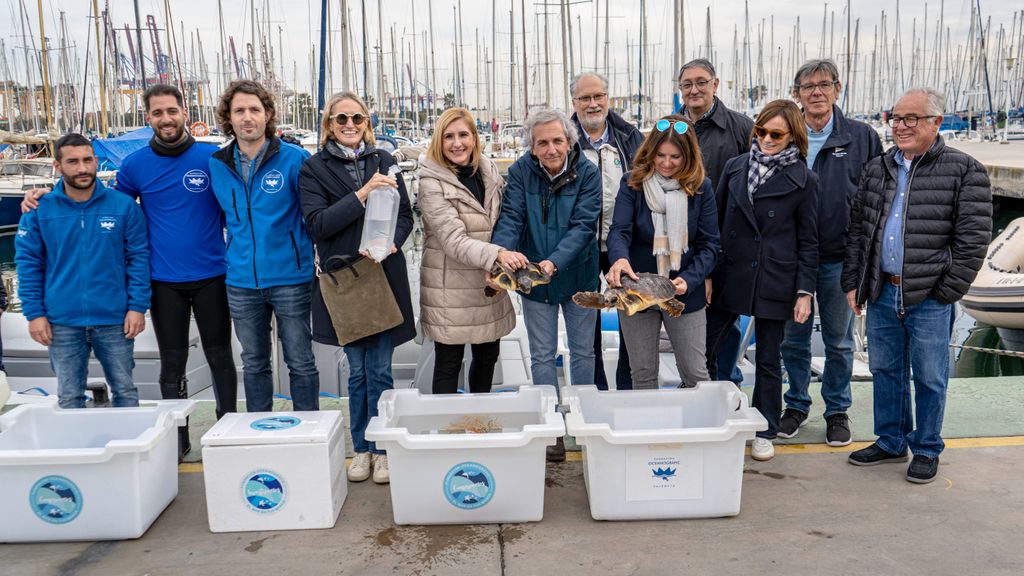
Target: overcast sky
pixel 299 23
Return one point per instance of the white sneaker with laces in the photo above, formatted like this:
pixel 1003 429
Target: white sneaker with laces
pixel 359 469
pixel 762 449
pixel 380 469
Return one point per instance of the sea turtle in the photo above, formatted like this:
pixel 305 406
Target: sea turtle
pixel 635 295
pixel 521 280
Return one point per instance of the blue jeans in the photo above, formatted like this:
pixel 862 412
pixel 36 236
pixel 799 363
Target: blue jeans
pixel 542 329
pixel 250 311
pixel 369 376
pixel 918 342
pixel 69 358
pixel 837 334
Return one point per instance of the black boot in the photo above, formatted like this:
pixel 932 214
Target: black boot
pixel 556 453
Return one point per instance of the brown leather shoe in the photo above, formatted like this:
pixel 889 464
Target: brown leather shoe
pixel 556 453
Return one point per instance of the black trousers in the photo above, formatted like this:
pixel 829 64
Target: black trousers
pixel 172 306
pixel 623 375
pixel 767 360
pixel 448 364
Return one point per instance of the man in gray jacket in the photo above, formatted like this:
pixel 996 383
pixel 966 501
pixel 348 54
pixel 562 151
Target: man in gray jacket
pixel 918 234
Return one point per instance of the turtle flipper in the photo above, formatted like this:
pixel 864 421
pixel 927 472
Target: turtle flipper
pixel 673 307
pixel 590 300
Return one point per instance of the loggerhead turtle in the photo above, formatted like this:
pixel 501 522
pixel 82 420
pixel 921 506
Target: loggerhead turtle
pixel 635 295
pixel 521 280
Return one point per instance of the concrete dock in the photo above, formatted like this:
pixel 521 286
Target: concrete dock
pixel 1004 162
pixel 807 511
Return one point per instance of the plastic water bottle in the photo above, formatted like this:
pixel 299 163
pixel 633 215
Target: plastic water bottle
pixel 380 219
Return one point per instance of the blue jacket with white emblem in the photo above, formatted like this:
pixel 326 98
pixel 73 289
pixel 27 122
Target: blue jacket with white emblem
pixel 267 243
pixel 83 263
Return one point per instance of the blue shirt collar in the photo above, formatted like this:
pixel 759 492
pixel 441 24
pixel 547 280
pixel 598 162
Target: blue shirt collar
pixel 600 141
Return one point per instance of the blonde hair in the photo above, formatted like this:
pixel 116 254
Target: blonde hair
pixel 436 149
pixel 327 134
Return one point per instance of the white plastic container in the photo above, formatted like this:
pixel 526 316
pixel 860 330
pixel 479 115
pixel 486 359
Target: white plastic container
pixel 89 474
pixel 674 453
pixel 274 471
pixel 381 219
pixel 443 478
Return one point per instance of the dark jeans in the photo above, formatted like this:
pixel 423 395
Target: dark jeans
pixel 69 358
pixel 448 364
pixel 369 376
pixel 623 374
pixel 172 305
pixel 290 305
pixel 768 363
pixel 722 362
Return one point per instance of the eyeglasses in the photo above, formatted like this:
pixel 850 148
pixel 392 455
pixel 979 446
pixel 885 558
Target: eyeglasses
pixel 910 121
pixel 700 84
pixel 762 132
pixel 823 87
pixel 679 126
pixel 342 119
pixel 592 98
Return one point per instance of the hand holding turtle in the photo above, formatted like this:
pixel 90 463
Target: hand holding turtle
pixel 615 272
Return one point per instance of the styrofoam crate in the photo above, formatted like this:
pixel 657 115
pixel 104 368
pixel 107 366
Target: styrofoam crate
pixel 439 478
pixel 274 471
pixel 674 453
pixel 87 474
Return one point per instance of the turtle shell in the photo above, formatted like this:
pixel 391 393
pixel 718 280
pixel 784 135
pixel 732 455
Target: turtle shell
pixel 649 287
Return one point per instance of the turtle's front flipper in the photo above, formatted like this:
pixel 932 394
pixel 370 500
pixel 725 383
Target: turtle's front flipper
pixel 590 300
pixel 673 307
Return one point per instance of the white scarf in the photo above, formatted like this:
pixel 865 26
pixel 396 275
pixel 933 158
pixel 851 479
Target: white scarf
pixel 668 204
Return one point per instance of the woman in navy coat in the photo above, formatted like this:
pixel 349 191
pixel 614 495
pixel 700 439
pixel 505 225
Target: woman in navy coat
pixel 667 175
pixel 767 202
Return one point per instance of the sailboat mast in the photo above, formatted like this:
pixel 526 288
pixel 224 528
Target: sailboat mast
pixel 46 71
pixel 526 90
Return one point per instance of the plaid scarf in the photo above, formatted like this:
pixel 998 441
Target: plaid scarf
pixel 762 166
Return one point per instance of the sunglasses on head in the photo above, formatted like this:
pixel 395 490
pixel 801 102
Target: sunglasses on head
pixel 761 132
pixel 341 118
pixel 679 126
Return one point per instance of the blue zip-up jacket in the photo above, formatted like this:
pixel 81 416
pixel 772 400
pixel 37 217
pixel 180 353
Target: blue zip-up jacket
pixel 267 244
pixel 83 263
pixel 554 221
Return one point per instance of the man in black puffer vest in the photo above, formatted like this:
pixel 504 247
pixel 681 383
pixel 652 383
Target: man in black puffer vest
pixel 918 234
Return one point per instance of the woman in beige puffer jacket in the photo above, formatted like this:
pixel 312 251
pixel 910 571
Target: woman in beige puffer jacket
pixel 460 193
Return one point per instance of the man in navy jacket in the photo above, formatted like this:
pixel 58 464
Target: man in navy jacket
pixel 83 271
pixel 838 148
pixel 269 253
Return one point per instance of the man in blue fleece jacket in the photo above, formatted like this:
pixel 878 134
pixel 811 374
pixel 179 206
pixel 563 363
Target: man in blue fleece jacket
pixel 83 271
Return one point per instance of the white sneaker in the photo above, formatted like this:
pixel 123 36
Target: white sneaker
pixel 762 449
pixel 380 469
pixel 359 469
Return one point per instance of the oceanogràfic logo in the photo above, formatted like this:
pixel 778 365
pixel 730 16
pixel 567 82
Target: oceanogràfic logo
pixel 469 485
pixel 55 499
pixel 195 181
pixel 272 182
pixel 275 423
pixel 664 473
pixel 264 491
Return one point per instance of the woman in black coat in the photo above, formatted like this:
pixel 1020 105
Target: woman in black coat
pixel 767 206
pixel 666 201
pixel 335 184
